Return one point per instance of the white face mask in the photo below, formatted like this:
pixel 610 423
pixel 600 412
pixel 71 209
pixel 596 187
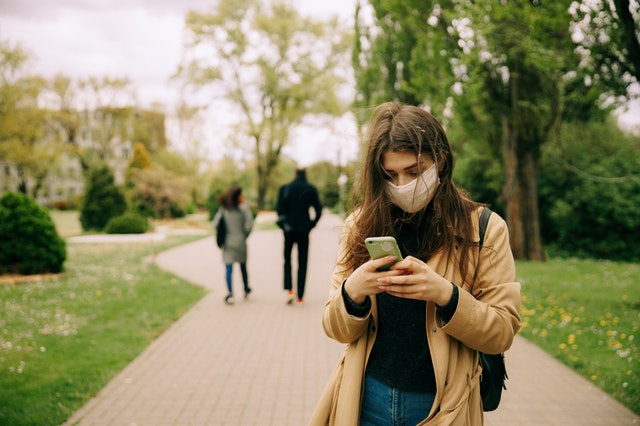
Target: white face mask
pixel 416 194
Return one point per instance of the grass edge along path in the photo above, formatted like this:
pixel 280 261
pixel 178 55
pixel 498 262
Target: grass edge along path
pixel 586 314
pixel 62 340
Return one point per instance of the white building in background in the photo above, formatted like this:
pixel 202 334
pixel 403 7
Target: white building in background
pixel 64 185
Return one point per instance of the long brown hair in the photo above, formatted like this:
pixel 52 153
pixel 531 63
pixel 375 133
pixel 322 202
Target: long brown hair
pixel 445 224
pixel 230 198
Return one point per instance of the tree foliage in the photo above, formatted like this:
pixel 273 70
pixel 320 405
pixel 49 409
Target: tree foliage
pixel 272 65
pixel 508 73
pixel 23 145
pixel 96 116
pixel 140 160
pixel 608 33
pixel 590 191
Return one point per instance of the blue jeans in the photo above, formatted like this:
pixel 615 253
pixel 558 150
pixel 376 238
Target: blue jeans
pixel 384 405
pixel 245 277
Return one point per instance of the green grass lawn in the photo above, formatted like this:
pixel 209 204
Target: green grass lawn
pixel 62 340
pixel 587 315
pixel 66 222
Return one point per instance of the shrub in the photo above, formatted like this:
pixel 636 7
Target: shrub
pixel 29 242
pixel 159 193
pixel 61 205
pixel 589 198
pixel 128 223
pixel 102 201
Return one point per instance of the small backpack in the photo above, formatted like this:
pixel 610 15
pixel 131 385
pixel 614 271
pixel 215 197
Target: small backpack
pixel 221 232
pixel 494 372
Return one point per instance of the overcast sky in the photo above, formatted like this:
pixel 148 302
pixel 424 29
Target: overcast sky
pixel 137 39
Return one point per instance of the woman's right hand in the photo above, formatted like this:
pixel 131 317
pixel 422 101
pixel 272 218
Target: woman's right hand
pixel 363 282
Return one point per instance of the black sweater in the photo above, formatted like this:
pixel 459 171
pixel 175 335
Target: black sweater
pixel 400 357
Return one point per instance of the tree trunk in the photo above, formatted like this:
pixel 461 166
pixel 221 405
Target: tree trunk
pixel 262 181
pixel 511 190
pixel 521 194
pixel 529 159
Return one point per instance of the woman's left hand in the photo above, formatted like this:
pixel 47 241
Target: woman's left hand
pixel 419 282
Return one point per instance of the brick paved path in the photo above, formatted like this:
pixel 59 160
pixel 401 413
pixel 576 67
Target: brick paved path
pixel 263 363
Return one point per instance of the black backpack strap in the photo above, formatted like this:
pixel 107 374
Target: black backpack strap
pixel 482 229
pixel 484 220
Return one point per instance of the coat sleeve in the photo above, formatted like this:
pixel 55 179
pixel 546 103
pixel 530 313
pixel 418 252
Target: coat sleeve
pixel 338 324
pixel 247 220
pixel 487 317
pixel 216 218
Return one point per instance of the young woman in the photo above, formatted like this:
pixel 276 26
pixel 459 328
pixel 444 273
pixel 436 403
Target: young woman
pixel 413 332
pixel 239 222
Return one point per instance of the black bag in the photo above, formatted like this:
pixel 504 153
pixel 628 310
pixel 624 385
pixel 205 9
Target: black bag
pixel 492 380
pixel 221 232
pixel 494 371
pixel 283 220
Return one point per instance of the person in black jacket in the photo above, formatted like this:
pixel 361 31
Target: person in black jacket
pixel 294 201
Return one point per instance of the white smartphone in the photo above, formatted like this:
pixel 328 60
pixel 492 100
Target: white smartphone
pixel 383 246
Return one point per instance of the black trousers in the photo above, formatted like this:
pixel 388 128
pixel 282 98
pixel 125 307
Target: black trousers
pixel 301 239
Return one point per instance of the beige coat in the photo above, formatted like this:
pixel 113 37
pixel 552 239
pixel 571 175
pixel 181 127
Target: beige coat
pixel 487 319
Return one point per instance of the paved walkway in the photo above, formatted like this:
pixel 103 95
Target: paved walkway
pixel 261 362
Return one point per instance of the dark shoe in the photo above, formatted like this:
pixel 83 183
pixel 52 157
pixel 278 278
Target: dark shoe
pixel 229 300
pixel 246 293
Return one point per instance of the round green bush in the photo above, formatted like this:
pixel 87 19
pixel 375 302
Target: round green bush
pixel 128 223
pixel 29 242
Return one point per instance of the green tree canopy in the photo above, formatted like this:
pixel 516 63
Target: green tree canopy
pixel 272 65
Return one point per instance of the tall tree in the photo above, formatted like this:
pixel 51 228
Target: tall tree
pixel 505 69
pixel 22 144
pixel 108 108
pixel 516 69
pixel 274 66
pixel 96 116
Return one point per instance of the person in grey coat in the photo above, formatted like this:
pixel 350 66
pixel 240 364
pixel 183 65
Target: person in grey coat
pixel 239 223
